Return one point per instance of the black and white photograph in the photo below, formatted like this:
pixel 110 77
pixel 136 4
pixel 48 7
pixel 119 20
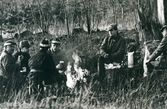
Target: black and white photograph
pixel 83 54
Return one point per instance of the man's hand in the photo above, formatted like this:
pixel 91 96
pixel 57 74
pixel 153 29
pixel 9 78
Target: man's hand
pixel 19 60
pixel 106 55
pixel 149 65
pixel 59 66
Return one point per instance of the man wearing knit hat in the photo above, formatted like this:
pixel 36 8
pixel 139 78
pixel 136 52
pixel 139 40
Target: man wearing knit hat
pixel 9 66
pixel 42 69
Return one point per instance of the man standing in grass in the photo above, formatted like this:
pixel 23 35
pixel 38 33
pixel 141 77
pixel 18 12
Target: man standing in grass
pixel 9 66
pixel 112 50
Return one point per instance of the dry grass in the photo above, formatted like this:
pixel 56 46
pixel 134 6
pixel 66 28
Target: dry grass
pixel 146 93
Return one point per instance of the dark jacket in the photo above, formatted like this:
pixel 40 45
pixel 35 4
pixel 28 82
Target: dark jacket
pixel 8 65
pixel 43 63
pixel 162 48
pixel 58 56
pixel 114 47
pixel 24 60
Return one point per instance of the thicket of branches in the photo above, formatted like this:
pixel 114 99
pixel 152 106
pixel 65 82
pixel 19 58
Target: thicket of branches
pixel 46 14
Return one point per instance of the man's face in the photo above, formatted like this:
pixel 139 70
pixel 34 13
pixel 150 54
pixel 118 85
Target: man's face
pixel 25 50
pixel 10 49
pixel 55 47
pixel 113 33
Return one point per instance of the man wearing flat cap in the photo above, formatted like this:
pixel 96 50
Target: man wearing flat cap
pixel 9 66
pixel 112 50
pixel 162 47
pixel 59 57
pixel 23 52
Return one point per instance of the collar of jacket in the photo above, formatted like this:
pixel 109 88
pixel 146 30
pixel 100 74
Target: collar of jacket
pixel 43 50
pixel 8 53
pixel 55 51
pixel 116 38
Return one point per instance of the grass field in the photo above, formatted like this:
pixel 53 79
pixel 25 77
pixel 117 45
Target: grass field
pixel 129 93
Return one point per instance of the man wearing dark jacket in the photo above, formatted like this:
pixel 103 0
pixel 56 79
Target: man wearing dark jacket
pixel 9 66
pixel 42 69
pixel 162 47
pixel 23 52
pixel 25 56
pixel 59 57
pixel 112 50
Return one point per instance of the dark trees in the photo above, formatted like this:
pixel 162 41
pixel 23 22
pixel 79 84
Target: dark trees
pixel 152 16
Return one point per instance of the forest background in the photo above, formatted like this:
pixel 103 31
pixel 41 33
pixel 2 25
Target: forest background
pixel 61 16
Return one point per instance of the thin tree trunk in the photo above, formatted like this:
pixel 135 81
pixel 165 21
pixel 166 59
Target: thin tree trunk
pixel 165 8
pixel 88 23
pixel 114 11
pixel 67 24
pixel 1 33
pixel 161 16
pixel 122 10
pixel 67 20
pixel 88 19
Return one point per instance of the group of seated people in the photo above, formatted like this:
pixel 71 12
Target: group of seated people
pixel 46 65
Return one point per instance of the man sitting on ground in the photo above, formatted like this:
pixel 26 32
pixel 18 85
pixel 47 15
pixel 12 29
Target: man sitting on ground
pixel 23 52
pixel 59 57
pixel 42 70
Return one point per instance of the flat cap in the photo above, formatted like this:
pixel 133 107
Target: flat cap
pixel 9 42
pixel 24 43
pixel 55 41
pixel 112 26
